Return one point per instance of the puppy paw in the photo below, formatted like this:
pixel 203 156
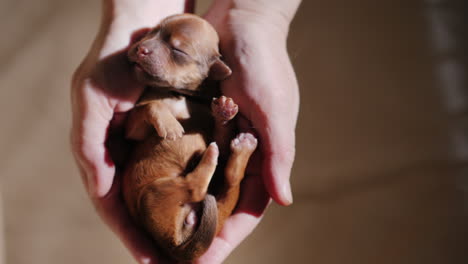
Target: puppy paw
pixel 244 143
pixel 241 147
pixel 168 128
pixel 224 109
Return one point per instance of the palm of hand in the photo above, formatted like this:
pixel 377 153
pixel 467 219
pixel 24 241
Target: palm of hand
pixel 264 85
pixel 263 105
pixel 102 91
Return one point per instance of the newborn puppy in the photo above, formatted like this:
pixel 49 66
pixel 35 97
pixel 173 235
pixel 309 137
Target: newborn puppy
pixel 168 186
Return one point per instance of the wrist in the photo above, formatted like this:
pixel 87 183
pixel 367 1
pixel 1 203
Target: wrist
pixel 273 16
pixel 142 12
pixel 282 11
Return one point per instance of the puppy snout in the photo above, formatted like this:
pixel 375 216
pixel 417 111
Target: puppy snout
pixel 143 51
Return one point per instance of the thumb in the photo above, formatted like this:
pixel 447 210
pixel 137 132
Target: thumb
pixel 88 139
pixel 278 149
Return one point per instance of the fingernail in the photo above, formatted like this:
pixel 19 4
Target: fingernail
pixel 214 144
pixel 286 193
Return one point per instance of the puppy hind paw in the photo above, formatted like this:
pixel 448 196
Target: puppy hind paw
pixel 224 108
pixel 244 142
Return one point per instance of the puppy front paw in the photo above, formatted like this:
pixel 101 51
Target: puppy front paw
pixel 224 109
pixel 168 128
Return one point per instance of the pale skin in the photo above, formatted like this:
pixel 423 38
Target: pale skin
pixel 253 42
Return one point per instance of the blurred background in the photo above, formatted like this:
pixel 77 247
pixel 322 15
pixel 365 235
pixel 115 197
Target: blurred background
pixel 381 137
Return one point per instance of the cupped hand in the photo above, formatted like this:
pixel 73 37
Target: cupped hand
pixel 103 91
pixel 253 42
pixel 263 83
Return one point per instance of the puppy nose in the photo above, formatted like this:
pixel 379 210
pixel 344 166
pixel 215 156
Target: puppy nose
pixel 143 51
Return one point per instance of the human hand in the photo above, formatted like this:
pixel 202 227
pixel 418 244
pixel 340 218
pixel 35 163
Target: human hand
pixel 263 83
pixel 253 42
pixel 103 90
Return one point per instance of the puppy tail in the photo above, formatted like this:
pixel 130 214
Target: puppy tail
pixel 203 236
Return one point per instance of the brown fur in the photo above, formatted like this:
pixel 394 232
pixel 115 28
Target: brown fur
pixel 167 183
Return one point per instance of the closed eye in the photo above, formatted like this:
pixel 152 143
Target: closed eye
pixel 179 51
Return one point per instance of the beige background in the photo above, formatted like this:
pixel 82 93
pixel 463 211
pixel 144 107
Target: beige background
pixel 372 179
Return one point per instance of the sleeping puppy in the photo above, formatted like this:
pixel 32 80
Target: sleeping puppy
pixel 178 185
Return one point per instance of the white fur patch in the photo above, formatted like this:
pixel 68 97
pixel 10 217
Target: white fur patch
pixel 178 107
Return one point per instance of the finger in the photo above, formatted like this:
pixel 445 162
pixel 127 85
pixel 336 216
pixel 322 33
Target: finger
pixel 277 156
pixel 89 132
pixel 278 150
pixel 227 241
pixel 253 201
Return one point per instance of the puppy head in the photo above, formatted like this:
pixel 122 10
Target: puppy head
pixel 183 230
pixel 179 53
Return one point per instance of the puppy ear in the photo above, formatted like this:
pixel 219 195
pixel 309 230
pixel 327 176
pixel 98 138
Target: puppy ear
pixel 219 70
